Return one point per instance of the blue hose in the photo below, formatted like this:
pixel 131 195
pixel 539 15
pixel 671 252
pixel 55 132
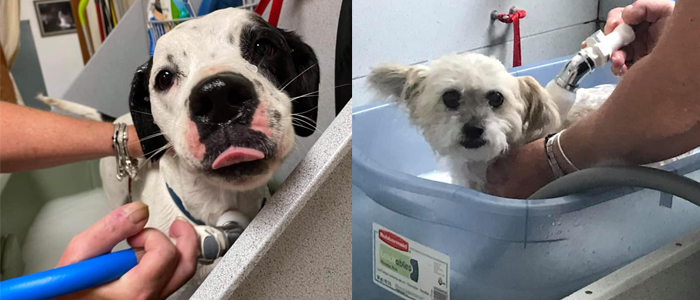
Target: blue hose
pixel 69 279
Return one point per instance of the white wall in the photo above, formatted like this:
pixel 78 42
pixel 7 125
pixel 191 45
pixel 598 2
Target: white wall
pixel 110 70
pixel 59 56
pixel 607 5
pixel 317 22
pixel 416 31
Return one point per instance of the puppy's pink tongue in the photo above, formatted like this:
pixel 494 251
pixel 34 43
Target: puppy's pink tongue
pixel 234 155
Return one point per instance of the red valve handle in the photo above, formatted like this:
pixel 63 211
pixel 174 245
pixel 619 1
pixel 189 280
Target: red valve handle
pixel 515 19
pixel 510 18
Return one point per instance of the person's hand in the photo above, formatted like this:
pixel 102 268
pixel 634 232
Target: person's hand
pixel 648 18
pixel 162 268
pixel 519 173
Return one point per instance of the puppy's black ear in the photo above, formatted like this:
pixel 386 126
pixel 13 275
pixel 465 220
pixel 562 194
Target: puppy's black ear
pixel 304 84
pixel 397 81
pixel 140 107
pixel 542 115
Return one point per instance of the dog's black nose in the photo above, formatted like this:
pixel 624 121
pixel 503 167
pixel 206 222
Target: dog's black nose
pixel 472 132
pixel 223 97
pixel 471 136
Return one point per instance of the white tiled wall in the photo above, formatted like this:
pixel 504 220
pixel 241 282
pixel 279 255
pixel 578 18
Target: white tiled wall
pixel 415 31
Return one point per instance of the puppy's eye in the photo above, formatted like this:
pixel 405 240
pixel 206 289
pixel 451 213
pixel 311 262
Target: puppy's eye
pixel 451 99
pixel 164 80
pixel 264 47
pixel 495 98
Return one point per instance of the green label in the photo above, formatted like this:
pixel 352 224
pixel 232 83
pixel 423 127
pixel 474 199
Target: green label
pixel 398 262
pixel 407 269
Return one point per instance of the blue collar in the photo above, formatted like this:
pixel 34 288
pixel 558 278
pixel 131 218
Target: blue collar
pixel 181 206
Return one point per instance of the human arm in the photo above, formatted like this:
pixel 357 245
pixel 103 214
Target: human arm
pixel 653 114
pixel 33 139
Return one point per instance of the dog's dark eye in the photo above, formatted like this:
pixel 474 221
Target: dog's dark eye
pixel 164 80
pixel 451 99
pixel 495 98
pixel 264 47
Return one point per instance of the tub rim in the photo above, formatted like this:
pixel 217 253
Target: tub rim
pixel 392 178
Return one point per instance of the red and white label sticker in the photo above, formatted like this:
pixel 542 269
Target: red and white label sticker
pixel 393 240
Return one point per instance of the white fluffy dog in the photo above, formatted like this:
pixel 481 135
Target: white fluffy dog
pixel 471 110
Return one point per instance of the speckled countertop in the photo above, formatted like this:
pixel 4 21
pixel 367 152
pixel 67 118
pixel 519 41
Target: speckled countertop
pixel 299 245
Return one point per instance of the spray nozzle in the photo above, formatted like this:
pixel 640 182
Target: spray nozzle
pixel 599 48
pixel 214 241
pixel 575 70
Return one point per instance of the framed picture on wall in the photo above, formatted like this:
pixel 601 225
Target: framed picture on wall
pixel 55 17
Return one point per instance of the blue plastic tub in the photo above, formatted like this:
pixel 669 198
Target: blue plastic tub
pixel 498 248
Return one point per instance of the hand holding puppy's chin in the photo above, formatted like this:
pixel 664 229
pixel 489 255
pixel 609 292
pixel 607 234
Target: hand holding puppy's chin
pixel 519 173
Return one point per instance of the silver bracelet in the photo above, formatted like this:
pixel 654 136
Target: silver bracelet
pixel 126 166
pixel 564 154
pixel 553 164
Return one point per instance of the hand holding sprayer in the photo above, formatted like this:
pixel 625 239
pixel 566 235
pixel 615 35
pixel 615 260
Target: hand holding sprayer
pixel 214 241
pixel 599 48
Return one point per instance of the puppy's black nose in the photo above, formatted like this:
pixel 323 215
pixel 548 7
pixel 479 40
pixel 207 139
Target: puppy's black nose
pixel 472 132
pixel 223 97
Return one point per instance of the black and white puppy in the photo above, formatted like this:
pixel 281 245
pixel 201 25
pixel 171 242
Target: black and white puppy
pixel 214 112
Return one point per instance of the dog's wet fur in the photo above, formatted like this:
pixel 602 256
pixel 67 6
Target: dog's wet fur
pixel 469 109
